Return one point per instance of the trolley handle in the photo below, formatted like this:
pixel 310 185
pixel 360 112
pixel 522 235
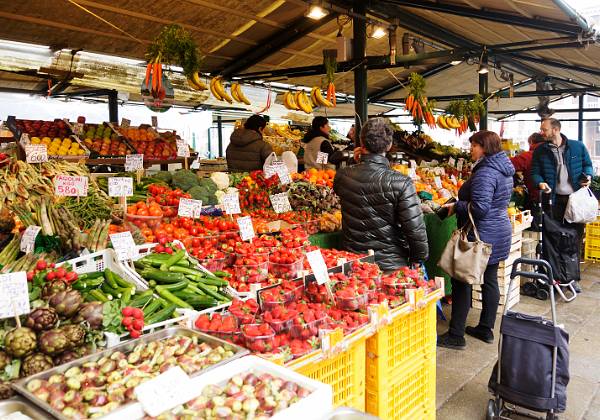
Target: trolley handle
pixel 546 278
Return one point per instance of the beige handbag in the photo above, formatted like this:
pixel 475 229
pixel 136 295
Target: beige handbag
pixel 463 260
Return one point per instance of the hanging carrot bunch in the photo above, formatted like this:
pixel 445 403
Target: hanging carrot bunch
pixel 416 101
pixel 330 63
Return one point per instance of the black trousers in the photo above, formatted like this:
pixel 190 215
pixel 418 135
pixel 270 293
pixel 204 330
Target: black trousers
pixel 461 301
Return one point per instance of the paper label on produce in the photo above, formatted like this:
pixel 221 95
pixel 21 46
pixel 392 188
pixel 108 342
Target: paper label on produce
pixel 123 245
pixel 134 162
pixel 413 164
pixel 166 391
pixel 412 173
pixel 280 203
pixel 182 148
pixel 322 158
pixel 246 228
pixel 460 163
pixel 452 162
pixel 28 238
pixel 189 207
pixel 438 182
pixel 25 139
pixel 71 186
pixel 281 170
pixel 125 123
pixel 154 121
pixel 318 266
pixel 195 164
pixel 36 153
pixel 453 179
pixel 231 203
pixel 14 296
pixel 120 186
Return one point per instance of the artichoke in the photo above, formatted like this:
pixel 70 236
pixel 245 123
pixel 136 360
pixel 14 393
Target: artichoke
pixel 37 362
pixel 74 333
pixel 53 287
pixel 42 319
pixel 90 312
pixel 6 391
pixel 5 360
pixel 66 357
pixel 53 342
pixel 20 342
pixel 66 303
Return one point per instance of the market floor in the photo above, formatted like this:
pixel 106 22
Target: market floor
pixel 462 376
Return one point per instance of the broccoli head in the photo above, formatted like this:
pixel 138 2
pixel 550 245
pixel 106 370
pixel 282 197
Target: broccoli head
pixel 203 193
pixel 184 179
pixel 164 176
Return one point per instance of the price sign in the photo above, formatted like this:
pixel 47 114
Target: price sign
pixel 438 182
pixel 28 238
pixel 189 207
pixel 452 162
pixel 280 203
pixel 164 392
pixel 123 245
pixel 412 173
pixel 183 149
pixel 134 163
pixel 14 297
pixel 453 179
pixel 460 164
pixel 25 138
pixel 413 163
pixel 120 186
pixel 318 266
pixel 78 129
pixel 231 203
pixel 154 121
pixel 36 153
pixel 71 186
pixel 125 123
pixel 284 175
pixel 246 228
pixel 322 158
pixel 195 164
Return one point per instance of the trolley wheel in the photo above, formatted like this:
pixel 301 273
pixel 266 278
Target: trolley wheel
pixel 551 416
pixel 492 413
pixel 542 294
pixel 529 289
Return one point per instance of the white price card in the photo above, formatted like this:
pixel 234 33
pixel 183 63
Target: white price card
pixel 123 244
pixel 459 164
pixel 183 150
pixel 413 163
pixel 196 163
pixel 282 171
pixel 453 179
pixel 164 392
pixel 154 121
pixel 134 162
pixel 36 153
pixel 452 162
pixel 438 182
pixel 71 186
pixel 120 186
pixel 125 123
pixel 322 158
pixel 318 266
pixel 246 228
pixel 412 173
pixel 231 203
pixel 189 207
pixel 28 239
pixel 14 296
pixel 280 203
pixel 25 139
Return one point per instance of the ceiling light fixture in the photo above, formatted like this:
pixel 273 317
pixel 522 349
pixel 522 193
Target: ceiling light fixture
pixel 455 62
pixel 316 12
pixel 483 68
pixel 483 63
pixel 378 32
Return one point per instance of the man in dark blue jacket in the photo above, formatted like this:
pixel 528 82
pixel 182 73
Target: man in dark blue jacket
pixel 560 166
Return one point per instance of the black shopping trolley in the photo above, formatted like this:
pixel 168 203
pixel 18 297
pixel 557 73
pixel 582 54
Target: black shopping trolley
pixel 532 371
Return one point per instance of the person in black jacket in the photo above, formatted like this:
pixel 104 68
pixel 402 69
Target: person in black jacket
pixel 380 207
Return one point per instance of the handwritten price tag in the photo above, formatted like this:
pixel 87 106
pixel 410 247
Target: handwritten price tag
pixel 231 203
pixel 459 164
pixel 452 162
pixel 71 186
pixel 318 266
pixel 189 208
pixel 280 203
pixel 164 392
pixel 25 139
pixel 14 297
pixel 246 228
pixel 134 162
pixel 28 239
pixel 154 121
pixel 453 179
pixel 123 245
pixel 120 186
pixel 195 164
pixel 281 170
pixel 438 182
pixel 183 149
pixel 125 123
pixel 36 153
pixel 322 158
pixel 413 164
pixel 412 173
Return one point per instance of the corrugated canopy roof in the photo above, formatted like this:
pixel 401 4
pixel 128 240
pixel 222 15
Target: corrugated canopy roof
pixel 265 35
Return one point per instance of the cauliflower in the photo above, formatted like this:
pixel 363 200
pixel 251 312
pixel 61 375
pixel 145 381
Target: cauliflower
pixel 221 179
pixel 219 195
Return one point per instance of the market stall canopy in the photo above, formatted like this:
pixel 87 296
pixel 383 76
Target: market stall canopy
pixel 239 38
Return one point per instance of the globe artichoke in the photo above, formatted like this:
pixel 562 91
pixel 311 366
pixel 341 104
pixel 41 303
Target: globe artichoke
pixel 53 287
pixel 53 342
pixel 6 391
pixel 74 333
pixel 34 363
pixel 66 357
pixel 5 360
pixel 90 312
pixel 42 319
pixel 66 303
pixel 20 342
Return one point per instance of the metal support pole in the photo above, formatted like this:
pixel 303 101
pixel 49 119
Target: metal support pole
pixel 580 117
pixel 220 134
pixel 113 106
pixel 359 46
pixel 483 91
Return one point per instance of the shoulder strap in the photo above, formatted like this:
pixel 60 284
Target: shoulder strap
pixel 471 224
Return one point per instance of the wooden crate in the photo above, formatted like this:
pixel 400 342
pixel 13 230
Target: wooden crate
pixel 477 291
pixel 512 301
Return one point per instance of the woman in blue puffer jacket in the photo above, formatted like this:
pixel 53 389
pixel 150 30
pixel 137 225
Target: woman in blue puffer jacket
pixel 488 193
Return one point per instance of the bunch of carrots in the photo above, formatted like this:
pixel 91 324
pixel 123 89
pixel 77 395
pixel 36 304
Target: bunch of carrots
pixel 464 126
pixel 153 80
pixel 420 111
pixel 331 93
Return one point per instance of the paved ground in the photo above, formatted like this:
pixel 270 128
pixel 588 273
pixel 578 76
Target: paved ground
pixel 462 376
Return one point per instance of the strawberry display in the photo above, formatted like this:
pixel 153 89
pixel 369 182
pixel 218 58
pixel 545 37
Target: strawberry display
pixel 352 295
pixel 349 321
pixel 244 311
pixel 258 337
pixel 286 263
pixel 299 347
pixel 294 238
pixel 279 318
pixel 252 268
pixel 307 323
pixel 224 326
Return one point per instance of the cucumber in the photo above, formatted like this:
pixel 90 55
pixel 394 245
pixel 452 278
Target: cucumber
pixel 151 308
pixel 171 298
pixel 184 270
pixel 140 301
pixel 174 287
pixel 161 315
pixel 119 280
pixel 173 259
pixel 98 295
pixel 213 282
pixel 87 283
pixel 162 276
pixel 212 293
pixel 201 302
pixel 110 279
pixel 90 276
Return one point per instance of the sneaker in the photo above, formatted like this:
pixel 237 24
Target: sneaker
pixel 450 341
pixel 576 286
pixel 481 333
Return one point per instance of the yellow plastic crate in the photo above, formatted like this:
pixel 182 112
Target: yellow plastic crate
pixel 592 242
pixel 401 363
pixel 345 372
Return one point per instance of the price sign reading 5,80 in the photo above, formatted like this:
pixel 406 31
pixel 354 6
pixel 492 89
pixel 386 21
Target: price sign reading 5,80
pixel 71 186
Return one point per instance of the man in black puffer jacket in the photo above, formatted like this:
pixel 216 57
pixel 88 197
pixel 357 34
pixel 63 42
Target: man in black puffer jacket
pixel 380 207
